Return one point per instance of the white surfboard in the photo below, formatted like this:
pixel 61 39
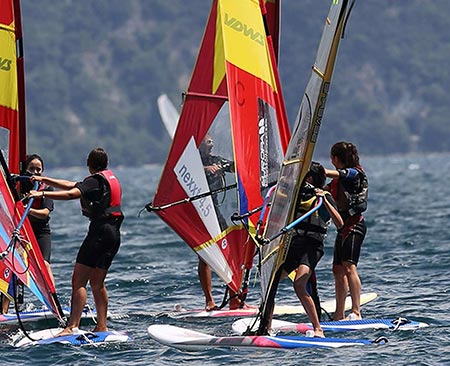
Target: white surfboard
pixel 280 326
pixel 187 339
pixel 329 306
pixel 79 338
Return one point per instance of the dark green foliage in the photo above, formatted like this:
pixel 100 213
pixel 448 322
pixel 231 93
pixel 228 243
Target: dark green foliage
pixel 94 70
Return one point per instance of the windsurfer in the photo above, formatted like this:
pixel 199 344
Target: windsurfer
pixel 307 244
pixel 39 216
pixel 215 168
pixel 349 189
pixel 100 197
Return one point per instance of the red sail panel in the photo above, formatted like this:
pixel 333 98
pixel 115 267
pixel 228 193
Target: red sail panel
pixel 20 251
pixel 243 133
pixel 24 258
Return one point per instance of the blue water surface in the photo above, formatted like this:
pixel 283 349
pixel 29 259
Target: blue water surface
pixel 405 259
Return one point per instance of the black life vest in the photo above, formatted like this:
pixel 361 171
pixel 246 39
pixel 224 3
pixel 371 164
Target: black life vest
pixel 351 198
pixel 104 201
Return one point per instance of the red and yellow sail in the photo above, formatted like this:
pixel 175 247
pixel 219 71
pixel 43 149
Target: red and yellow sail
pixel 20 253
pixel 235 98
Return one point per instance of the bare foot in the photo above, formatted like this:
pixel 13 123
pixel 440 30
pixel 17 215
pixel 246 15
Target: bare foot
pixel 65 332
pixel 353 316
pixel 211 308
pixel 318 333
pixel 234 305
pixel 248 306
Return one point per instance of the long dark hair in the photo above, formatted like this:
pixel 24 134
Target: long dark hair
pixel 347 153
pixel 29 159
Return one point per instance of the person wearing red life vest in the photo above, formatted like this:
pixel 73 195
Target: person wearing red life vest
pixel 100 197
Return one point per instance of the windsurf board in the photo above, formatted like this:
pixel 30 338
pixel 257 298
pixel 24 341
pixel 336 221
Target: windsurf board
pixel 34 315
pixel 79 338
pixel 329 306
pixel 189 340
pixel 242 325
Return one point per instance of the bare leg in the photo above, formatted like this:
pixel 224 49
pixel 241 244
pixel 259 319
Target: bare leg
pixel 204 275
pixel 301 279
pixel 97 281
pixel 235 302
pixel 341 289
pixel 80 278
pixel 354 284
pixel 5 304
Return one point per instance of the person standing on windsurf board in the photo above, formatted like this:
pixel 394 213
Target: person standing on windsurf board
pixel 100 197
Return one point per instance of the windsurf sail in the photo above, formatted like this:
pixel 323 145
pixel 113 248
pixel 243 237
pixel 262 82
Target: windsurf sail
pixel 234 106
pixel 298 157
pixel 12 90
pixel 19 251
pixel 168 113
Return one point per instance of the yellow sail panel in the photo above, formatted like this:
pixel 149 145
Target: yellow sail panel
pixel 8 67
pixel 219 56
pixel 244 38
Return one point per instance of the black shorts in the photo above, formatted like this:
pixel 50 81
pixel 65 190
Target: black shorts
pixel 44 238
pixel 348 249
pixel 101 244
pixel 303 250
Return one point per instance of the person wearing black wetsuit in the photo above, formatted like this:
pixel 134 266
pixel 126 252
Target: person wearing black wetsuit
pixel 215 168
pixel 39 217
pixel 100 196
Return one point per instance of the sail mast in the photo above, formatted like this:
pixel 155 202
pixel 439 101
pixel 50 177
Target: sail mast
pixel 298 157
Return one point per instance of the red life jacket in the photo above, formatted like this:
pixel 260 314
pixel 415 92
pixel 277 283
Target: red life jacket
pixel 115 189
pixel 110 201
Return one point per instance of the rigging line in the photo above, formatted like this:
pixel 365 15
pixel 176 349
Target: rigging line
pixel 19 320
pixel 149 207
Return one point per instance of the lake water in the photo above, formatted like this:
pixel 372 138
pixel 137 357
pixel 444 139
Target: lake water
pixel 405 259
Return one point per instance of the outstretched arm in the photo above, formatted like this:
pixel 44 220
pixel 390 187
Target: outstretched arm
pixel 65 195
pixel 57 183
